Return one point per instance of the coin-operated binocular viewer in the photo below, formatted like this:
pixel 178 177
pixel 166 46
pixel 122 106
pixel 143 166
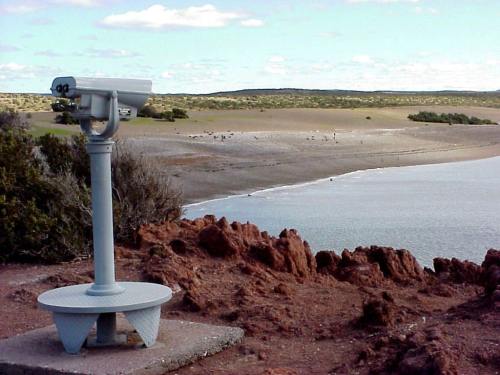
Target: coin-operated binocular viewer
pixel 77 308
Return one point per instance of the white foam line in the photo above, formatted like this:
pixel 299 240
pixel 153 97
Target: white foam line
pixel 323 179
pixel 282 187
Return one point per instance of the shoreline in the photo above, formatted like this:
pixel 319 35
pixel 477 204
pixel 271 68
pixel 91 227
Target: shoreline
pixel 331 169
pixel 245 193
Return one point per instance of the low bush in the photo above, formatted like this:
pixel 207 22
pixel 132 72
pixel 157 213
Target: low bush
pixel 167 116
pixel 449 118
pixel 11 120
pixel 142 193
pixel 148 111
pixel 152 112
pixel 66 118
pixel 66 156
pixel 45 205
pixel 42 219
pixel 179 113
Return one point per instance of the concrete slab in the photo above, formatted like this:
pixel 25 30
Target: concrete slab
pixel 179 343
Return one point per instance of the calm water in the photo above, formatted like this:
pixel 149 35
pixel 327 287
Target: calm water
pixel 449 210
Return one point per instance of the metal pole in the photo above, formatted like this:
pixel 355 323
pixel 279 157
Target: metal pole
pixel 102 218
pixel 102 228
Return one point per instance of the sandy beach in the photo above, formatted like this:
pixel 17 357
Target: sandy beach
pixel 218 153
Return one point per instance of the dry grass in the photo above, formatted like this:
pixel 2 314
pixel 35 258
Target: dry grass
pixel 361 100
pixel 25 102
pixel 40 103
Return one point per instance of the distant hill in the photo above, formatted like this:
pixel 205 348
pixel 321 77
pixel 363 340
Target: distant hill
pixel 340 92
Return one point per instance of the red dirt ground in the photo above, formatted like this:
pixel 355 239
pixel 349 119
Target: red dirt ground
pixel 370 311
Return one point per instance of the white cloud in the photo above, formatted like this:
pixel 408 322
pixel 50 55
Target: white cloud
pixel 430 74
pixel 362 59
pixel 19 77
pixel 13 67
pixel 252 22
pixel 158 17
pixel 167 74
pixel 13 71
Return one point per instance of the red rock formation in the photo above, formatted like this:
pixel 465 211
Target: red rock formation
pixel 371 266
pixel 327 262
pixel 377 312
pixel 287 253
pixel 429 356
pixel 457 271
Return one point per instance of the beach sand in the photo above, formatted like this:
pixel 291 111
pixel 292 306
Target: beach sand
pixel 218 153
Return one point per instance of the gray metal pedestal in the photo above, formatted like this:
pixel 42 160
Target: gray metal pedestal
pixel 75 311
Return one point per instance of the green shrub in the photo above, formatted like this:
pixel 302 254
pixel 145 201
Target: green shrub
pixel 179 113
pixel 11 120
pixel 153 112
pixel 62 156
pixel 148 111
pixel 448 118
pixel 38 217
pixel 66 118
pixel 167 116
pixel 45 206
pixel 142 194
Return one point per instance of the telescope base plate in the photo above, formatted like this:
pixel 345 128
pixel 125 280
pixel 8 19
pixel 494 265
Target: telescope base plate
pixel 75 312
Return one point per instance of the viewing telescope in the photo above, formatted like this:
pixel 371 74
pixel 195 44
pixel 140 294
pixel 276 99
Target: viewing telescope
pixel 101 99
pixel 77 308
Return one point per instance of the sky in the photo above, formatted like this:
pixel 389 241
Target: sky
pixel 198 46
